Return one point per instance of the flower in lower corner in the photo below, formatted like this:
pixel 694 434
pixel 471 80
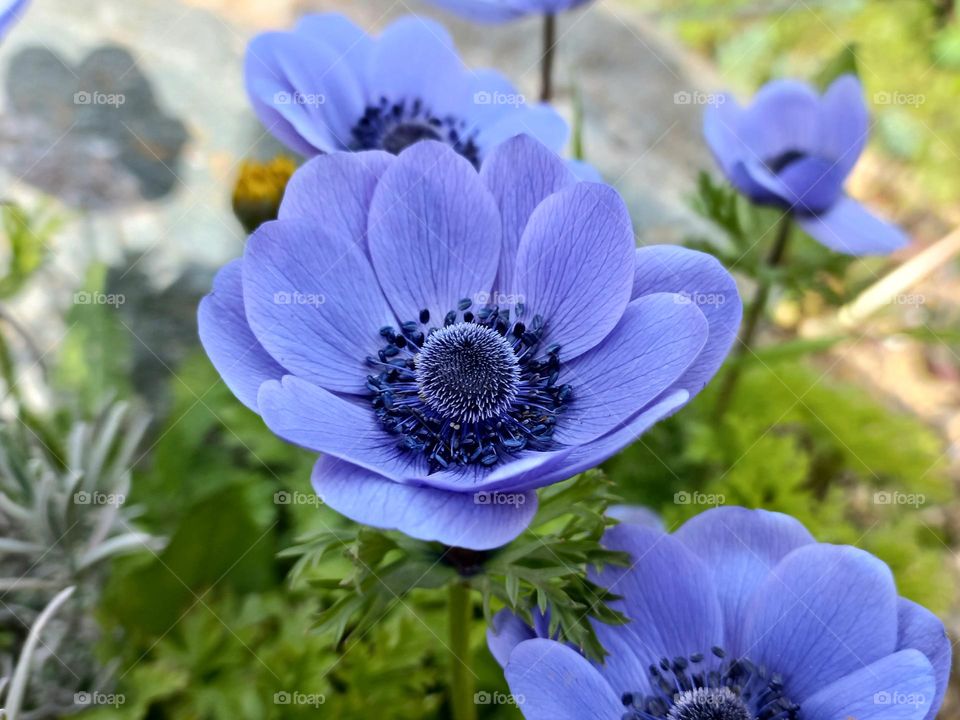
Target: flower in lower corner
pixel 452 340
pixel 793 148
pixel 498 11
pixel 329 86
pixel 738 615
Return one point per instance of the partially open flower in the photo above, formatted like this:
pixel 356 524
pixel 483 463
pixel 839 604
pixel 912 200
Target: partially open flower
pixel 452 340
pixel 794 149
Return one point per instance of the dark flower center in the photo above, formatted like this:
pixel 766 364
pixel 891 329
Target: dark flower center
pixel 711 687
pixel 708 704
pixel 404 135
pixel 474 389
pixel 396 126
pixel 467 372
pixel 780 163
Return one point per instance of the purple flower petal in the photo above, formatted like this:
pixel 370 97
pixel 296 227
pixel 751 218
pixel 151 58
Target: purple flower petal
pixel 721 124
pixel 434 232
pixel 228 340
pixel 844 122
pixel 492 97
pixel 584 172
pixel 740 547
pixel 408 51
pixel 486 11
pixel 850 228
pixel 305 83
pixel 549 681
pixel 340 34
pixel 538 121
pixel 568 463
pixel 335 191
pixel 520 174
pixel 575 265
pixel 896 687
pixel 313 302
pixel 537 470
pixel 784 117
pixel 455 519
pixel 626 668
pixel 10 13
pixel 499 11
pixel 798 620
pixel 667 593
pixel 920 629
pixel 812 184
pixel 505 632
pixel 656 340
pixel 314 418
pixel 707 284
pixel 636 515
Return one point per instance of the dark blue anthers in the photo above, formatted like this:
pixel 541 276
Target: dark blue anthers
pixel 472 389
pixel 712 687
pixel 395 126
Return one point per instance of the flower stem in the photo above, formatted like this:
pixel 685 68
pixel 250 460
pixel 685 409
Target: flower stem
pixel 546 60
pixel 462 676
pixel 752 320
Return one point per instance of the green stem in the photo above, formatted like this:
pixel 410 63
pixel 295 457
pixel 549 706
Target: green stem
pixel 546 60
pixel 462 676
pixel 752 320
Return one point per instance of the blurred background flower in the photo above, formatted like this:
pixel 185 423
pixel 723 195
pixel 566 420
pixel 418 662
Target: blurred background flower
pixel 793 149
pixel 327 85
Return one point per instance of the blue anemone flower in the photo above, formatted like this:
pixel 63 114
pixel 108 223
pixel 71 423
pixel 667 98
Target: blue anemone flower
pixel 498 11
pixel 328 86
pixel 452 340
pixel 738 615
pixel 793 149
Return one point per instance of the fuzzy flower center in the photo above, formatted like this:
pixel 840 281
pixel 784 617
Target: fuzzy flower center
pixel 701 687
pixel 395 126
pixel 468 372
pixel 708 704
pixel 474 388
pixel 402 136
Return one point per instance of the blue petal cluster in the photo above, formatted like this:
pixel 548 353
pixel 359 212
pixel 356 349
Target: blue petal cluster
pixel 738 615
pixel 453 340
pixel 794 149
pixel 327 86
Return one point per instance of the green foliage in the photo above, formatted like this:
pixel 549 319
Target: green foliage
pixel 28 234
pixel 255 657
pixel 208 627
pixel 96 358
pixel 827 453
pixel 547 565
